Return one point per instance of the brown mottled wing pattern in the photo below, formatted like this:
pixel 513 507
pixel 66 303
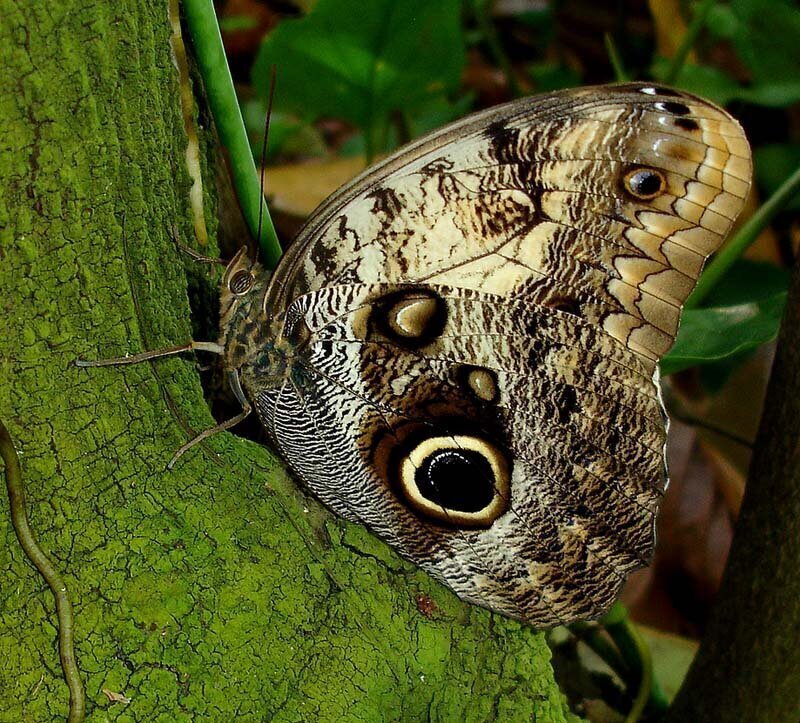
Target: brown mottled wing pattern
pixel 475 325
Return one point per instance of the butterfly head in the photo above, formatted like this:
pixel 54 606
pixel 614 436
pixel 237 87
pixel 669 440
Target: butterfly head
pixel 254 335
pixel 241 283
pixel 242 318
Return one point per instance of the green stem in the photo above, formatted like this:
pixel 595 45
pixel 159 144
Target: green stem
pixel 202 22
pixel 595 639
pixel 615 58
pixel 27 540
pixel 636 656
pixel 688 40
pixel 748 233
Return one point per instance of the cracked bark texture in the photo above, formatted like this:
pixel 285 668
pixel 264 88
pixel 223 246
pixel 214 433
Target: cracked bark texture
pixel 216 591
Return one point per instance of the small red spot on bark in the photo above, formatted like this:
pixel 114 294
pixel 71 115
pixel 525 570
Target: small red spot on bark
pixel 426 605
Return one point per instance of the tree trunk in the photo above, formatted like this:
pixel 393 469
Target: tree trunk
pixel 217 591
pixel 748 665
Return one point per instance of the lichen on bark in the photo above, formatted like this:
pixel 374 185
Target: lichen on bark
pixel 217 591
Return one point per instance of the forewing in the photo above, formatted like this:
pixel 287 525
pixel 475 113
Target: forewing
pixel 541 198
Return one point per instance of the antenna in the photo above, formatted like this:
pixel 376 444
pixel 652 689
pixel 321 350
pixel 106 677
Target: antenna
pixel 264 155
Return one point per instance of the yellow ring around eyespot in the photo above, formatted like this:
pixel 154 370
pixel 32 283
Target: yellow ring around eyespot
pixel 497 462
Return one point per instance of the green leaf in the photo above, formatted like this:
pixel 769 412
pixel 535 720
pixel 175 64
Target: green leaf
pixel 438 112
pixel 778 94
pixel 548 75
pixel 288 135
pixel 766 39
pixel 764 34
pixel 672 656
pixel 722 22
pixel 748 281
pixel 773 164
pixel 720 332
pixel 237 23
pixel 714 84
pixel 702 80
pixel 749 298
pixel 361 61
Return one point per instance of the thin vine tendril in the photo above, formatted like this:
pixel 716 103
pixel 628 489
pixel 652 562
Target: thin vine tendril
pixel 27 540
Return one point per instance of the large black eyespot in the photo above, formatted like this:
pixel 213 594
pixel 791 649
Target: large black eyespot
pixel 644 183
pixel 460 480
pixel 241 282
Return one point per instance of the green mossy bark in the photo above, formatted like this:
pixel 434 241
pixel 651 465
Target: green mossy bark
pixel 216 591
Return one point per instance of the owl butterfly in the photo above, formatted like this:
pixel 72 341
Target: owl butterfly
pixel 460 348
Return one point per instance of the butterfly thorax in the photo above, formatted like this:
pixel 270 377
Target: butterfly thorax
pixel 253 336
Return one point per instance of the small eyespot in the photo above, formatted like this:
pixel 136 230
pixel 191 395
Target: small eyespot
pixel 241 282
pixel 654 90
pixel 644 183
pixel 687 124
pixel 413 317
pixel 673 107
pixel 480 382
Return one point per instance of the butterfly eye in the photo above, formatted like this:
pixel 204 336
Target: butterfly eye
pixel 241 282
pixel 645 183
pixel 459 480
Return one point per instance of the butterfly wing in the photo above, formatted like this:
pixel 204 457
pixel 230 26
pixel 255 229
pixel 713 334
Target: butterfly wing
pixel 476 324
pixel 608 198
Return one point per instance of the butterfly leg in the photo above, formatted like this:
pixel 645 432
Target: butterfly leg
pixel 238 392
pixel 200 257
pixel 209 346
